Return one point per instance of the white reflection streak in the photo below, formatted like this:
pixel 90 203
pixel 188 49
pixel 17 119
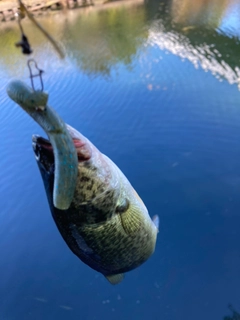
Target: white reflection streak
pixel 200 56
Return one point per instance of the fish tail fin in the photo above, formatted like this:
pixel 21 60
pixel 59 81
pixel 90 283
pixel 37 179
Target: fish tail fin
pixel 115 278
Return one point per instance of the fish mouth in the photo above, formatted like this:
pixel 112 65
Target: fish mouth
pixel 43 151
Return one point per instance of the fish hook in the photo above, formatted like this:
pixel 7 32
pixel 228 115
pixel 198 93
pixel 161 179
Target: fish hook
pixel 39 74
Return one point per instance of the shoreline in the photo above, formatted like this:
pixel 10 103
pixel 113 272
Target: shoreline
pixel 10 8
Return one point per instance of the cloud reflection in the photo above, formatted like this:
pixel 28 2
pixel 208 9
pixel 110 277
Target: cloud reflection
pixel 193 31
pixel 96 40
pixel 202 55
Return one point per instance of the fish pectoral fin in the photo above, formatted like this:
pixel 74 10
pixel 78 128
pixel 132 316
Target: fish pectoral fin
pixel 115 278
pixel 132 221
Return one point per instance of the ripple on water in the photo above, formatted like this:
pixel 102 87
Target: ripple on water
pixel 203 55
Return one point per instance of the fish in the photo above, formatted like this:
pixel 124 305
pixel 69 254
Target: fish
pixel 107 226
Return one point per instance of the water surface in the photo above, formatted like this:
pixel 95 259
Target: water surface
pixel 155 86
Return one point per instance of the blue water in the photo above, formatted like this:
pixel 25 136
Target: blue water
pixel 157 98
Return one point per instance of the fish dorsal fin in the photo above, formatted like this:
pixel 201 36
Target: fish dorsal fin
pixel 115 278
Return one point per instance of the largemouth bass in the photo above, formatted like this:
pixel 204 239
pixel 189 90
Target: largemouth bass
pixel 107 225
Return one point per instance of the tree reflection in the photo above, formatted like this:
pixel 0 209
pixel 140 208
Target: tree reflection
pixel 102 39
pixel 199 12
pixel 196 32
pixel 99 39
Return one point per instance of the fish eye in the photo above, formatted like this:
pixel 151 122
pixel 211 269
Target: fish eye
pixel 122 206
